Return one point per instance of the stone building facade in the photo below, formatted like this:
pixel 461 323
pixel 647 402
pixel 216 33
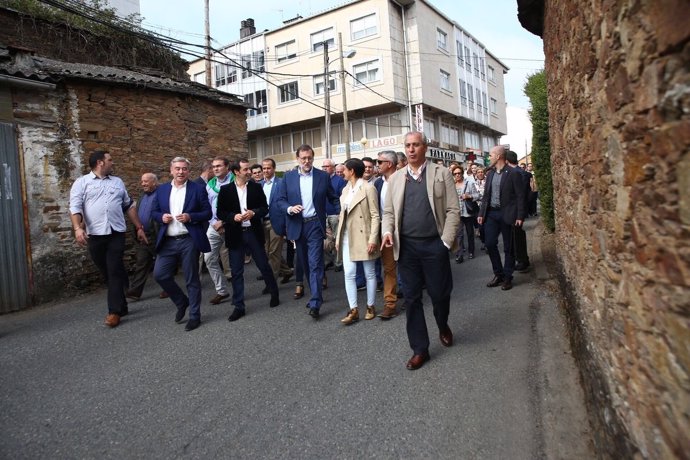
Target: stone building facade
pixel 619 102
pixel 142 120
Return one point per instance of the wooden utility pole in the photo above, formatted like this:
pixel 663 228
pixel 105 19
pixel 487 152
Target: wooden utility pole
pixel 207 28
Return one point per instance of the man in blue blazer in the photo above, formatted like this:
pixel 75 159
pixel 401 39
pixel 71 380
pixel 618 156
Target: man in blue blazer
pixel 182 209
pixel 274 226
pixel 302 200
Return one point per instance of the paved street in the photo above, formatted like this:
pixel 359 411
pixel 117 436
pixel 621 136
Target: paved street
pixel 277 384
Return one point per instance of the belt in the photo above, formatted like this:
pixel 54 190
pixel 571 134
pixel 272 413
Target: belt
pixel 310 219
pixel 246 229
pixel 494 208
pixel 178 237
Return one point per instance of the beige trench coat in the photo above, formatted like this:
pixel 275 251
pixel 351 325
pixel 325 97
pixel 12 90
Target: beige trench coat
pixel 362 222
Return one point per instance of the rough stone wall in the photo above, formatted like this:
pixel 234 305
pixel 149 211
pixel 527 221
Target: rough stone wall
pixel 143 129
pixel 619 99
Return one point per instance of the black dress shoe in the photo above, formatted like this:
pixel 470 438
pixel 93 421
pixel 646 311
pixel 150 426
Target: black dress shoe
pixel 446 337
pixel 507 285
pixel 497 281
pixel 459 259
pixel 285 279
pixel 275 300
pixel 179 316
pixel 235 315
pixel 192 324
pixel 522 268
pixel 314 313
pixel 417 361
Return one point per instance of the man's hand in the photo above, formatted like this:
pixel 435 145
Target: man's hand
pixel 183 218
pixel 518 223
pixel 296 209
pixel 81 236
pixel 387 241
pixel 141 235
pixel 480 220
pixel 167 218
pixel 218 226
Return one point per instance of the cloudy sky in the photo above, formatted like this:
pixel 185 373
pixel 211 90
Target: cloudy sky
pixel 494 23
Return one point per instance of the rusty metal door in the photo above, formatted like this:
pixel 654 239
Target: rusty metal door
pixel 14 277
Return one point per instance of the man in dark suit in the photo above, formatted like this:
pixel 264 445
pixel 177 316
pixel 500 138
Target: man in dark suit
pixel 302 200
pixel 503 205
pixel 242 207
pixel 519 236
pixel 274 231
pixel 182 209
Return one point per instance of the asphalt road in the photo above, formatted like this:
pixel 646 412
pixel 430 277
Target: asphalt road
pixel 277 384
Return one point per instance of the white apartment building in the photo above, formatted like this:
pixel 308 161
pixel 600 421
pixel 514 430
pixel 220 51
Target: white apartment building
pixel 412 68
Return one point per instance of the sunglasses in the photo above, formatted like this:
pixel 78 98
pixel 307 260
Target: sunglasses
pixel 382 161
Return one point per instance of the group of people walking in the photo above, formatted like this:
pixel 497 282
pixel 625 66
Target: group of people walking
pixel 397 230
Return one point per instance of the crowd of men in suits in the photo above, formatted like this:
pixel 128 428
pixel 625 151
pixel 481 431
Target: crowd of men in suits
pixel 236 212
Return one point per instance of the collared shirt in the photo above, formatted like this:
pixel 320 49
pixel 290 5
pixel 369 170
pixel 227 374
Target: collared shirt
pixel 419 172
pixel 242 195
pixel 213 195
pixel 144 210
pixel 268 186
pixel 101 202
pixel 495 198
pixel 306 183
pixel 384 191
pixel 177 196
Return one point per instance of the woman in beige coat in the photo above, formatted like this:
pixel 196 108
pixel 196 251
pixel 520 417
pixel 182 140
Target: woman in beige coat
pixel 358 236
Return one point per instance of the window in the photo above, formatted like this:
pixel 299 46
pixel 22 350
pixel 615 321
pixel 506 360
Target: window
pixel 461 56
pixel 232 75
pixel 471 140
pixel 482 69
pixel 286 51
pixel 258 57
pixel 479 100
pixel 486 106
pixel 475 59
pixel 430 129
pixel 363 27
pixel 470 95
pixel 366 72
pixel 493 105
pixel 221 72
pixel 288 92
pixel 442 39
pixel 258 102
pixel 445 81
pixel 318 39
pixel 492 76
pixel 246 65
pixel 468 63
pixel 318 84
pixel 463 93
pixel 450 134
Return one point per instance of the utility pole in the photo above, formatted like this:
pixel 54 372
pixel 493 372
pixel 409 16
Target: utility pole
pixel 327 99
pixel 207 28
pixel 346 125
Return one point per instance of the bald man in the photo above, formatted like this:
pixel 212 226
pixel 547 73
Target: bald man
pixel 145 252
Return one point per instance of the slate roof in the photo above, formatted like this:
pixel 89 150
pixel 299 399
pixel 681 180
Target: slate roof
pixel 20 63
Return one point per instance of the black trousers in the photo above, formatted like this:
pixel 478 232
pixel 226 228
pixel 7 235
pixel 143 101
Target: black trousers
pixel 520 245
pixel 106 252
pixel 424 262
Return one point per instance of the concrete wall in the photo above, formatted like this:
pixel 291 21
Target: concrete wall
pixel 619 99
pixel 143 129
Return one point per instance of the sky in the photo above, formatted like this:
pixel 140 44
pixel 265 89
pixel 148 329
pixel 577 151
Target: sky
pixel 494 23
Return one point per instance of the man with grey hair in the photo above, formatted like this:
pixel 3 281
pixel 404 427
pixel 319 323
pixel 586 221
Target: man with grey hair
pixel 402 160
pixel 421 217
pixel 182 210
pixel 145 252
pixel 387 163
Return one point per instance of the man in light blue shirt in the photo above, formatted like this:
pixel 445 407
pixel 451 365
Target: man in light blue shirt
pixel 97 204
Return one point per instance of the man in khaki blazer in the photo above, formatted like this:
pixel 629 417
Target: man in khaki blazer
pixel 421 217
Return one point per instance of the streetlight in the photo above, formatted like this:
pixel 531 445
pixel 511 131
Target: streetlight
pixel 364 142
pixel 327 96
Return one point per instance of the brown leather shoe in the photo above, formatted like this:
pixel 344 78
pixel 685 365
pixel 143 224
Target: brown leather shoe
pixel 219 298
pixel 417 361
pixel 388 313
pixel 163 295
pixel 507 285
pixel 112 320
pixel 351 317
pixel 299 292
pixel 446 337
pixel 371 313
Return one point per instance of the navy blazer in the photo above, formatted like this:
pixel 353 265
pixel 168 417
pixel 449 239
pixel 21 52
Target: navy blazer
pixel 289 195
pixel 229 206
pixel 195 204
pixel 277 218
pixel 512 195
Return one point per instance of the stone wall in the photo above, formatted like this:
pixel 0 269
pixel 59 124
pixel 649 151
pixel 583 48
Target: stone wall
pixel 142 128
pixel 619 99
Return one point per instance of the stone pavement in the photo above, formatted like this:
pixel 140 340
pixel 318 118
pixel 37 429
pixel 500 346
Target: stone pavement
pixel 276 384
